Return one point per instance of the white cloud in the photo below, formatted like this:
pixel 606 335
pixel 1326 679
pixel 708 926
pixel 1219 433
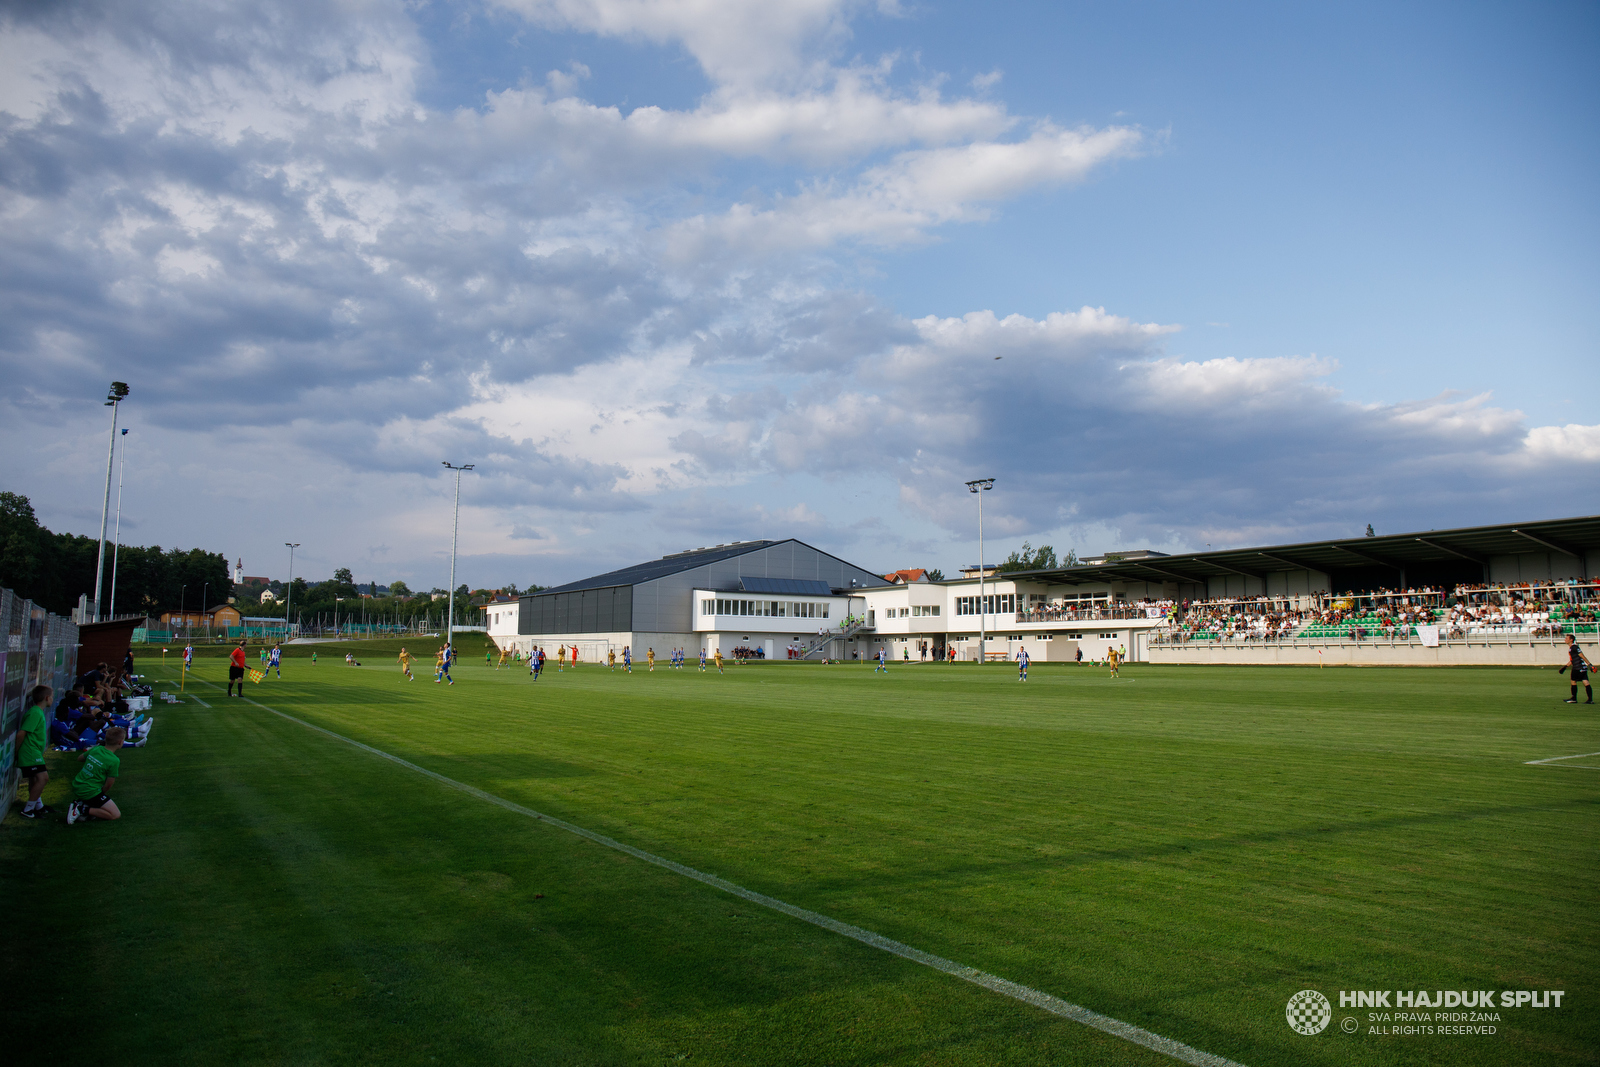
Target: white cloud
pixel 1568 443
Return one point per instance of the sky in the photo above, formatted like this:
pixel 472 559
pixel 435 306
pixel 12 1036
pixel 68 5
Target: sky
pixel 675 273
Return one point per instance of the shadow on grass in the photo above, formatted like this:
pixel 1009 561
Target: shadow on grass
pixel 985 871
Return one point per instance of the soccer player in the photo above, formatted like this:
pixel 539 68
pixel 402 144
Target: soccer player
pixel 627 659
pixel 235 669
pixel 718 658
pixel 91 789
pixel 188 656
pixel 275 660
pixel 438 666
pixel 1580 666
pixel 405 664
pixel 574 656
pixel 33 736
pixel 1114 658
pixel 536 663
pixel 883 662
pixel 702 659
pixel 487 658
pixel 561 659
pixel 313 657
pixel 611 658
pixel 650 657
pixel 1022 665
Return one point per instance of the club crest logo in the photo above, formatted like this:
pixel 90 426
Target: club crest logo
pixel 1308 1012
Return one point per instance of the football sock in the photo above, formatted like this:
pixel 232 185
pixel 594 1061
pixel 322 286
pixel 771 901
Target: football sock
pixel 1574 690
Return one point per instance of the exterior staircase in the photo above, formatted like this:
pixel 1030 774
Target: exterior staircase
pixel 819 644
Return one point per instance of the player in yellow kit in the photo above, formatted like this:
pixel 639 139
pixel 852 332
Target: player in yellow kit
pixel 611 658
pixel 717 656
pixel 649 655
pixel 405 663
pixel 1114 658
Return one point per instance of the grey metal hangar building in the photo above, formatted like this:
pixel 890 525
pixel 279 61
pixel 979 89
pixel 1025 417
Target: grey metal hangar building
pixel 755 594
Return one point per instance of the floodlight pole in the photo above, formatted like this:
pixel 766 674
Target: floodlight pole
pixel 114 397
pixel 116 538
pixel 288 599
pixel 455 530
pixel 981 486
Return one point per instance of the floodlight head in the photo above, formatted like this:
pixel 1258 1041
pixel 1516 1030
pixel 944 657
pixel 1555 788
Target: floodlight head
pixel 980 484
pixel 124 431
pixel 118 391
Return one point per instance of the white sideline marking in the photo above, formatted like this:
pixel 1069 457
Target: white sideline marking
pixel 202 703
pixel 1558 759
pixel 1055 1005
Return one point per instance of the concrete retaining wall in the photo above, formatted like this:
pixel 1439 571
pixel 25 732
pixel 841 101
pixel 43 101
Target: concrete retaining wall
pixel 1525 653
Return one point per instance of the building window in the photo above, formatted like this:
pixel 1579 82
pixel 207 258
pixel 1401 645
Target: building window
pixel 1108 637
pixel 997 604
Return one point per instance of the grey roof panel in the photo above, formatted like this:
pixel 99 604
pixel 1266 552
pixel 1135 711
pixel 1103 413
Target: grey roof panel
pixel 794 586
pixel 659 568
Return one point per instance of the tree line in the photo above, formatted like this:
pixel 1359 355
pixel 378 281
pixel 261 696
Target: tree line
pixel 54 569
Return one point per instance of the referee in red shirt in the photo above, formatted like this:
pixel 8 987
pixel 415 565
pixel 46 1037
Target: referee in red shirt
pixel 236 669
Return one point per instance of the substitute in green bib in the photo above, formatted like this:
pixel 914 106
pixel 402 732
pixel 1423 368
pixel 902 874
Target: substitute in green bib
pixel 91 789
pixel 32 739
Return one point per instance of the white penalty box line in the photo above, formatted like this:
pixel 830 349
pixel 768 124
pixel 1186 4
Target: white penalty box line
pixel 1558 759
pixel 1055 1005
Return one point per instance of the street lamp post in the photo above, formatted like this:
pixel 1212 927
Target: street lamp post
pixel 981 486
pixel 288 599
pixel 183 616
pixel 336 602
pixel 204 587
pixel 114 398
pixel 116 538
pixel 455 530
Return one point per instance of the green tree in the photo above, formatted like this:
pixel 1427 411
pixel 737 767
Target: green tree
pixel 399 589
pixel 1028 559
pixel 54 570
pixel 935 575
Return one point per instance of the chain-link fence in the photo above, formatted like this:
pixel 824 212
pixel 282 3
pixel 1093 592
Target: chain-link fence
pixel 39 649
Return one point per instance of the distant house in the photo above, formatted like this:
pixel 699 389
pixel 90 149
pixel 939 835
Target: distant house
pixel 268 596
pixel 225 615
pixel 903 577
pixel 219 616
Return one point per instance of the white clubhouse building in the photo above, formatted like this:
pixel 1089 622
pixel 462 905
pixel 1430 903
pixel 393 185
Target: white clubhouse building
pixel 785 599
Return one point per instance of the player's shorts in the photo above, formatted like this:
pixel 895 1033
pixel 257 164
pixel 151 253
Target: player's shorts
pixel 29 772
pixel 235 673
pixel 98 801
pixel 1580 674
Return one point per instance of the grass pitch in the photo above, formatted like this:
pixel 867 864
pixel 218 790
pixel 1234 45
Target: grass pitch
pixel 1182 849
